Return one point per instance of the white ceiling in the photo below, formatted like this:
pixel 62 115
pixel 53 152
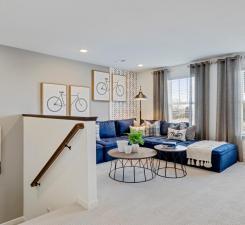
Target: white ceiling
pixel 155 33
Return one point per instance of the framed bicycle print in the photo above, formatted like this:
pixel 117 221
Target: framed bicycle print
pixel 119 88
pixel 79 100
pixel 53 99
pixel 100 86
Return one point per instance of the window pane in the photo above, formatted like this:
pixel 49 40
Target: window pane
pixel 181 98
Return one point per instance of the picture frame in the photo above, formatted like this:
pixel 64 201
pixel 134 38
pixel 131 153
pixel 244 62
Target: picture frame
pixel 79 101
pixel 53 99
pixel 100 86
pixel 119 88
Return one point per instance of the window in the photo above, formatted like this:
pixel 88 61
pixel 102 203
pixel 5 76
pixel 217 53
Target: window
pixel 181 100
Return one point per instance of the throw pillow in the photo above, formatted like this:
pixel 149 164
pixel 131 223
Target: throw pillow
pixel 97 132
pixel 136 129
pixel 123 126
pixel 183 125
pixel 152 129
pixel 190 133
pixel 136 123
pixel 107 129
pixel 174 126
pixel 176 134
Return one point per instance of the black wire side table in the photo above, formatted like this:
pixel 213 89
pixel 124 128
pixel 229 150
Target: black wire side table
pixel 134 167
pixel 177 160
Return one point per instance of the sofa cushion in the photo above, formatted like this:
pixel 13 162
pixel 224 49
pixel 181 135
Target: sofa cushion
pixel 111 142
pixel 152 141
pixel 107 129
pixel 123 126
pixel 99 154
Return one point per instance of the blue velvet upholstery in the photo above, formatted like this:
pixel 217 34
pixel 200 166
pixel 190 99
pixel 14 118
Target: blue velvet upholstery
pixel 150 142
pixel 164 127
pixel 108 144
pixel 222 157
pixel 99 154
pixel 107 129
pixel 123 126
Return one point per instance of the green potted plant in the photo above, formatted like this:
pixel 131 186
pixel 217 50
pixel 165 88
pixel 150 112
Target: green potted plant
pixel 135 139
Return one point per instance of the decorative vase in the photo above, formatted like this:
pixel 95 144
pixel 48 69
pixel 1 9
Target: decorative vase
pixel 121 145
pixel 135 147
pixel 128 149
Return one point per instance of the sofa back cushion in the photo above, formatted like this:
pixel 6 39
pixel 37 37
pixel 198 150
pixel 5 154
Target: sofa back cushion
pixel 107 129
pixel 123 126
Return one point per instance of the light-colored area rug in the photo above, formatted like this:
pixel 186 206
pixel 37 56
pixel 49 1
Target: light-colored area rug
pixel 201 198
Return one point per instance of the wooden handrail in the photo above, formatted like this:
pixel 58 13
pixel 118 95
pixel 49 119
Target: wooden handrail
pixel 64 144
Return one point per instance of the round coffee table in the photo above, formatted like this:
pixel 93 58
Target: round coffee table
pixel 134 167
pixel 176 156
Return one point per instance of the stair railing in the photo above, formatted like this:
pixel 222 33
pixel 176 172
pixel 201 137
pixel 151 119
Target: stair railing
pixel 60 149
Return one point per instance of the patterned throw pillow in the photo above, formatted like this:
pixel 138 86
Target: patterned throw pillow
pixel 191 133
pixel 141 129
pixel 97 132
pixel 152 129
pixel 176 134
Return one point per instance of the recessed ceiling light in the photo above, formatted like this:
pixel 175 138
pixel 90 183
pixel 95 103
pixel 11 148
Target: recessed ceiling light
pixel 83 50
pixel 140 65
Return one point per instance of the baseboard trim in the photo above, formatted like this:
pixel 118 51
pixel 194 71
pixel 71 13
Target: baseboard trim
pixel 86 205
pixel 15 221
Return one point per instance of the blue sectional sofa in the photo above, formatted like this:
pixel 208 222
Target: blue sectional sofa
pixel 113 130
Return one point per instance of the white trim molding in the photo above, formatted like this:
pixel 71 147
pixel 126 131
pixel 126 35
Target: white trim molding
pixel 15 221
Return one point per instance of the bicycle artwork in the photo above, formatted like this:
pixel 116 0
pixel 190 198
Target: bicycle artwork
pixel 54 98
pixel 79 101
pixel 101 86
pixel 119 88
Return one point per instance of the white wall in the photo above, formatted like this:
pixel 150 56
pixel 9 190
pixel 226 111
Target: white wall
pixel 71 178
pixel 21 73
pixel 145 80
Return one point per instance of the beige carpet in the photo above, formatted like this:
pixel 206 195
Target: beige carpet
pixel 201 198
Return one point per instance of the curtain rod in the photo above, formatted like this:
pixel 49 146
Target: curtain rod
pixel 215 59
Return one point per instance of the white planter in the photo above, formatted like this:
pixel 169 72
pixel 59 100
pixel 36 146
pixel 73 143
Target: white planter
pixel 121 145
pixel 128 149
pixel 135 147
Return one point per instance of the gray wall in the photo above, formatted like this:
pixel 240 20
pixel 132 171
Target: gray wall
pixel 21 73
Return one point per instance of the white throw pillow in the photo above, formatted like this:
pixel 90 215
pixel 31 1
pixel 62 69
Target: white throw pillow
pixel 141 129
pixel 176 134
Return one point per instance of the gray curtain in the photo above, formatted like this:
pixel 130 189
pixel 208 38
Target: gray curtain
pixel 160 95
pixel 200 71
pixel 229 116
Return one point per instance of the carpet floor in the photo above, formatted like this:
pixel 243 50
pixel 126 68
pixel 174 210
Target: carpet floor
pixel 200 198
